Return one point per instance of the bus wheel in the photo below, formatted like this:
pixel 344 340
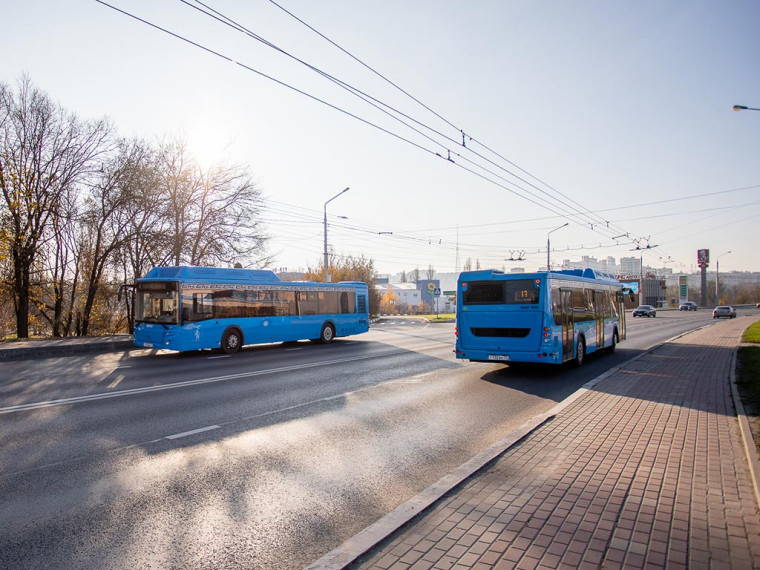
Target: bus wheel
pixel 328 334
pixel 580 354
pixel 231 341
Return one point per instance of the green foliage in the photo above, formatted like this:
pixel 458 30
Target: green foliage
pixel 748 384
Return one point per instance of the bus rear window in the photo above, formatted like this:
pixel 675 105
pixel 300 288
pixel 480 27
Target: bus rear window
pixel 512 292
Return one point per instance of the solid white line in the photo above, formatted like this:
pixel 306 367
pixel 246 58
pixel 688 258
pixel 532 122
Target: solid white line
pixel 191 432
pixel 213 357
pixel 199 381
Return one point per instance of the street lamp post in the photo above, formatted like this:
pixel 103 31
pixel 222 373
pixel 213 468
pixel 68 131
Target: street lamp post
pixel 548 244
pixel 744 108
pixel 717 276
pixel 327 276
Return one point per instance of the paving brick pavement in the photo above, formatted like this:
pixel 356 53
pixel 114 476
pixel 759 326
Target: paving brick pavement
pixel 646 469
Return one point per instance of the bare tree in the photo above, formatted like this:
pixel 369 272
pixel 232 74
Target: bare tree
pixel 210 217
pixel 430 272
pixel 43 151
pixel 108 218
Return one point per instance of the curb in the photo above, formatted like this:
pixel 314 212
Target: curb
pixel 377 532
pixel 370 537
pixel 749 443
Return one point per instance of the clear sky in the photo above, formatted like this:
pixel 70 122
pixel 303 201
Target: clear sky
pixel 615 115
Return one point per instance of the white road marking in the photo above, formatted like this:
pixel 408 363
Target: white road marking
pixel 213 357
pixel 191 432
pixel 197 382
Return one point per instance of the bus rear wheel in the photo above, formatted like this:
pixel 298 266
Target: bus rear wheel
pixel 328 334
pixel 232 340
pixel 580 354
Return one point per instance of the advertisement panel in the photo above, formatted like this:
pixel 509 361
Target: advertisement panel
pixel 683 289
pixel 703 258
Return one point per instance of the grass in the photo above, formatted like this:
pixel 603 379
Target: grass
pixel 440 317
pixel 752 334
pixel 748 379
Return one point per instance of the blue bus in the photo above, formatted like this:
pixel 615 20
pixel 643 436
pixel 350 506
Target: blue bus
pixel 192 308
pixel 545 317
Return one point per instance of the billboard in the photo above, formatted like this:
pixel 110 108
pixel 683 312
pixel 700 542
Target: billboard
pixel 683 289
pixel 703 258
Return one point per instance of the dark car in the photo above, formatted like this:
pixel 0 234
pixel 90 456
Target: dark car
pixel 724 311
pixel 645 311
pixel 688 306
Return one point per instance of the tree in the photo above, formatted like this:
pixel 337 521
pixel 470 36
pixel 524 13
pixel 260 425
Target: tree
pixel 430 273
pixel 414 275
pixel 210 217
pixel 44 150
pixel 108 217
pixel 388 303
pixel 350 269
pixel 467 265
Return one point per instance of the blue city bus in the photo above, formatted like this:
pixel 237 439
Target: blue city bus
pixel 192 308
pixel 545 317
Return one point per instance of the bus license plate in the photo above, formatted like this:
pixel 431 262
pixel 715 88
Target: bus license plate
pixel 147 344
pixel 498 357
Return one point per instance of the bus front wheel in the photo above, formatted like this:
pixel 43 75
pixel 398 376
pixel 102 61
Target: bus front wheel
pixel 580 354
pixel 328 334
pixel 232 340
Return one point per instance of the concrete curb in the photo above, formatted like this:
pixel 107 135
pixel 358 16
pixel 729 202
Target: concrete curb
pixel 370 537
pixel 373 535
pixel 749 443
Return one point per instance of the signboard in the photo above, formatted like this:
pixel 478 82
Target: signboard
pixel 683 289
pixel 632 285
pixel 703 258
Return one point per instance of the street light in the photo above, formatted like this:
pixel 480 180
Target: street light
pixel 744 108
pixel 548 244
pixel 717 276
pixel 327 277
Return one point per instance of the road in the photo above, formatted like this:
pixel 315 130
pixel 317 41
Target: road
pixel 268 458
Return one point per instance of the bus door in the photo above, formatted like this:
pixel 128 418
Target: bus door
pixel 619 310
pixel 568 332
pixel 600 303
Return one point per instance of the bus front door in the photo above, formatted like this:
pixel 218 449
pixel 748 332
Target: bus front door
pixel 568 332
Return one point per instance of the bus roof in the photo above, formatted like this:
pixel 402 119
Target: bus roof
pixel 227 275
pixel 496 274
pixel 232 275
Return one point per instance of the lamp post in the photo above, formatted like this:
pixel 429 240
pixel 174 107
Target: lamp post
pixel 327 277
pixel 744 108
pixel 717 276
pixel 548 244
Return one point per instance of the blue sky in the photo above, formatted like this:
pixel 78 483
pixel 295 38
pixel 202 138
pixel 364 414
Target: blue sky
pixel 617 108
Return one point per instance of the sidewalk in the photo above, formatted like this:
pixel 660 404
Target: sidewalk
pixel 646 467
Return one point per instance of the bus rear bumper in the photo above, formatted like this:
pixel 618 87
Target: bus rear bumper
pixel 512 356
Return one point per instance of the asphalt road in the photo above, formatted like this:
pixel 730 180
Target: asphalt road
pixel 266 459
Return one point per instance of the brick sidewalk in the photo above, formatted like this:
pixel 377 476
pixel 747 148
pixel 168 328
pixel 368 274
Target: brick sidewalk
pixel 646 469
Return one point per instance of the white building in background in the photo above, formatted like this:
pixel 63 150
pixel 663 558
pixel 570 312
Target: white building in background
pixel 630 266
pixel 407 294
pixel 608 265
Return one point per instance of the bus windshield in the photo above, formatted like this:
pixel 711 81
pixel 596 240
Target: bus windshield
pixel 157 302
